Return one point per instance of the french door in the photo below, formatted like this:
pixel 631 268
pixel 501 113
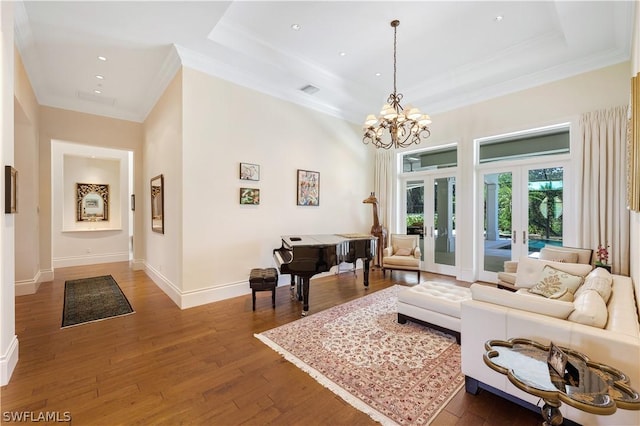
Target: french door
pixel 429 212
pixel 521 211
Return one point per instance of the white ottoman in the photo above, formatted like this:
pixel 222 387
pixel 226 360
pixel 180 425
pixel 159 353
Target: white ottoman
pixel 436 305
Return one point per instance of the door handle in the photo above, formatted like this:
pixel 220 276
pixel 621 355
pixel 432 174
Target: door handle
pixel 524 237
pixel 513 238
pixel 431 231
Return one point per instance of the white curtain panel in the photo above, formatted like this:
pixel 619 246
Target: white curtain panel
pixel 383 186
pixel 604 218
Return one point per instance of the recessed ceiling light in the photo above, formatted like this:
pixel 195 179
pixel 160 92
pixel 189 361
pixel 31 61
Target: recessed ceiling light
pixel 378 74
pixel 296 27
pixel 102 58
pixel 498 18
pixel 343 53
pixel 97 91
pixel 100 77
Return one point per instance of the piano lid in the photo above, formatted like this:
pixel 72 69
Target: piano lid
pixel 323 239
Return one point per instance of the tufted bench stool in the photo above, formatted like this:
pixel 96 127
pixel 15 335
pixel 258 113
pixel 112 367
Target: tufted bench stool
pixel 436 305
pixel 263 280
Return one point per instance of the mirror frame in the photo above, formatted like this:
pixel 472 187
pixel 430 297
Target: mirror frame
pixel 157 204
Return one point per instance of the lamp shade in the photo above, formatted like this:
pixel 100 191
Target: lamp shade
pixel 371 120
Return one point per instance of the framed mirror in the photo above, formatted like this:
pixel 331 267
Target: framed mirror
pixel 92 202
pixel 157 204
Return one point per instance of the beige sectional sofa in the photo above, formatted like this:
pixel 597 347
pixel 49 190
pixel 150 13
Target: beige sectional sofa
pixel 601 321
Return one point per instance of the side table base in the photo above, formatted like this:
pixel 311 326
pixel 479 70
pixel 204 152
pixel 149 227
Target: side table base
pixel 551 413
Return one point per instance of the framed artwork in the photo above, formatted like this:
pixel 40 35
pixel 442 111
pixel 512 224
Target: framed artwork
pixel 308 188
pixel 157 204
pixel 249 171
pixel 249 196
pixel 92 202
pixel 10 190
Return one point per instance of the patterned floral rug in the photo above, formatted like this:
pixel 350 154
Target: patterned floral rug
pixel 397 373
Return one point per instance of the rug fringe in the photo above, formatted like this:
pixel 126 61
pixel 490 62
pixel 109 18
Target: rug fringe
pixel 324 381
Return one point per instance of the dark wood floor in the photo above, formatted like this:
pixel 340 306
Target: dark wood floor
pixel 202 365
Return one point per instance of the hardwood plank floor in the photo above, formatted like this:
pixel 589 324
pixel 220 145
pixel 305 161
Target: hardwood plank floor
pixel 164 365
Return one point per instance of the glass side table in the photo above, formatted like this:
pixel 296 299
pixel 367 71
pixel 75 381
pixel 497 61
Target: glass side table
pixel 594 388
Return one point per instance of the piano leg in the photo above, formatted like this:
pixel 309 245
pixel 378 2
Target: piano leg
pixel 366 262
pixel 292 287
pixel 305 295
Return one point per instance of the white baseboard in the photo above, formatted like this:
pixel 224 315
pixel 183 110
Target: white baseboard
pixel 203 296
pixel 24 287
pixel 46 275
pixel 63 262
pixel 165 284
pixel 8 361
pixel 137 264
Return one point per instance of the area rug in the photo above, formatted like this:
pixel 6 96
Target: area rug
pixel 397 373
pixel 93 299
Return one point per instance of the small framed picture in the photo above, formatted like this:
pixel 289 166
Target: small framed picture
pixel 10 190
pixel 557 359
pixel 308 188
pixel 250 196
pixel 249 171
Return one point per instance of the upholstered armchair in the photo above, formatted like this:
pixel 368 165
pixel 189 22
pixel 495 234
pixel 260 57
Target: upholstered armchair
pixel 402 254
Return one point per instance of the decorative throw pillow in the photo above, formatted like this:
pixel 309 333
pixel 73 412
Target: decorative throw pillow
pixel 403 252
pixel 554 282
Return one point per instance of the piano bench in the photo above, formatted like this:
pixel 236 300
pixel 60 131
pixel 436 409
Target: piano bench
pixel 263 279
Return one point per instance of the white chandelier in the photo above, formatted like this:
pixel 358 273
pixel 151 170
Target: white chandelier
pixel 405 128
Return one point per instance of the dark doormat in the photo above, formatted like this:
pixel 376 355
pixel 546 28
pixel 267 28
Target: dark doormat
pixel 93 299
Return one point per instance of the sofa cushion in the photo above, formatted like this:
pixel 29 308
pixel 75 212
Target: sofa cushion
pixel 530 270
pixel 589 309
pixel 403 251
pixel 524 302
pixel 558 255
pixel 403 241
pixel 507 277
pixel 401 261
pixel 599 280
pixel 555 283
pixel 584 255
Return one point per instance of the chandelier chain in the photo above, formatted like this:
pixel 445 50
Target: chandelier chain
pixel 395 44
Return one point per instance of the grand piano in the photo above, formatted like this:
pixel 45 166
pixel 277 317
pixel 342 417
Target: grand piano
pixel 304 256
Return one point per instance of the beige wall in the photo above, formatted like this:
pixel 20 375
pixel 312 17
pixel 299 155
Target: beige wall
pixel 554 103
pixel 162 154
pixel 90 130
pixel 27 245
pixel 226 124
